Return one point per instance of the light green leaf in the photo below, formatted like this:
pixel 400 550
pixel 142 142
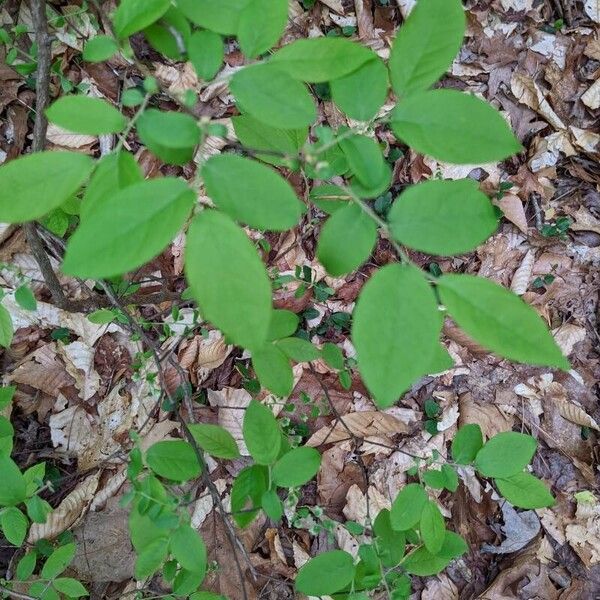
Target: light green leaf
pixel 525 491
pixel 372 80
pixel 247 492
pixel 215 440
pixel 14 525
pixel 102 316
pixel 128 229
pixel 443 217
pixel 151 558
pixel 13 488
pixel 298 349
pixel 71 587
pixel 26 566
pixel 273 97
pixel 296 467
pixel 216 15
pixel 283 324
pixel 7 393
pixel 261 24
pixel 172 136
pixel 390 543
pixel 394 351
pixel 37 509
pixel 6 436
pixel 261 433
pixel 422 563
pixel 170 35
pixel 173 459
pixel 25 298
pixel 251 192
pixel 33 185
pixel 206 53
pixel 407 507
pixel 435 479
pixel 426 45
pixel 346 240
pixel 85 114
pixel 454 127
pixel 273 369
pixel 100 48
pixel 326 573
pixel 506 454
pixel 316 60
pixel 58 561
pixel 499 320
pixel 132 15
pixel 272 505
pixel 189 550
pixel 466 444
pixel 6 328
pixel 365 159
pixel 187 582
pixel 238 299
pixel 451 478
pixel 432 527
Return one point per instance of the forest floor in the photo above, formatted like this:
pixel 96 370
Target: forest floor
pixel 81 387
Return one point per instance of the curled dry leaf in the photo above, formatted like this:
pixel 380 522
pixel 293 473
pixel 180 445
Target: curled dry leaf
pixel 232 404
pixel 61 137
pixel 440 588
pixel 356 504
pixel 109 490
pixel 489 417
pixel 178 79
pixel 520 280
pixel 512 207
pixel 567 335
pixel 79 362
pixel 576 414
pixel 526 91
pixel 584 533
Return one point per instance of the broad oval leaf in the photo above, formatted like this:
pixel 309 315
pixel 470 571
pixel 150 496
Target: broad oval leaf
pixel 14 487
pixel 84 114
pixel 189 549
pixel 298 349
pixel 499 320
pixel 426 44
pixel 273 97
pixel 408 506
pixel 251 193
pixel 272 505
pixel 326 573
pixel 247 492
pixel 273 369
pixel 100 48
pixel 132 15
pixel 394 351
pixel 206 53
pixel 261 433
pixel 151 557
pixel 316 60
pixel 365 159
pixel 346 240
pixel 173 459
pixel 216 15
pixel 261 24
pixel 454 127
pixel 443 217
pixel 466 444
pixel 14 525
pixel 422 563
pixel 228 279
pixel 506 454
pixel 69 586
pixel 432 527
pixel 390 543
pixel 33 185
pixel 215 440
pixel 283 324
pixel 296 467
pixel 128 229
pixel 525 491
pixel 58 561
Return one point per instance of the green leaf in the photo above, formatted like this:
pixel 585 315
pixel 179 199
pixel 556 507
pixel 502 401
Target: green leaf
pixel 13 488
pixel 261 24
pixel 173 459
pixel 333 355
pixel 327 573
pixel 71 587
pixel 296 467
pixel 26 566
pixel 6 328
pixel 215 440
pixel 37 509
pixel 25 298
pixel 283 324
pixel 206 53
pixel 426 45
pixel 187 582
pixel 238 299
pixel 162 40
pixel 247 492
pixel 58 561
pixel 298 349
pixel 435 479
pixel 272 505
pixel 365 159
pixel 33 185
pixel 189 550
pixel 14 525
pixel 432 527
pixel 422 563
pixel 408 506
pixel 395 350
pixel 129 229
pixel 6 436
pixel 85 114
pixel 390 543
pixel 102 316
pixel 525 491
pixel 216 15
pixel 251 193
pixel 172 136
pixel 443 217
pixel 316 60
pixel 371 79
pixel 346 240
pixel 451 478
pixel 506 454
pixel 466 444
pixel 261 433
pixel 132 15
pixel 454 127
pixel 499 320
pixel 151 558
pixel 273 97
pixel 329 197
pixel 6 395
pixel 100 48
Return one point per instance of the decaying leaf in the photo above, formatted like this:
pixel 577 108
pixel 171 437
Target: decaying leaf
pixel 232 404
pixel 522 276
pixel 512 207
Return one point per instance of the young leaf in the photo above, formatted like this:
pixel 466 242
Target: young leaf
pixel 333 355
pixel 394 351
pixel 132 15
pixel 525 491
pixel 261 25
pixel 261 433
pixel 273 97
pixel 273 369
pixel 189 550
pixel 365 159
pixel 71 587
pixel 128 229
pixel 316 60
pixel 6 328
pixel 85 114
pixel 451 476
pixel 172 136
pixel 174 460
pixel 372 79
pixel 238 300
pixel 466 444
pixel 13 488
pixel 25 298
pixel 454 127
pixel 390 543
pixel 283 324
pixel 426 45
pixel 58 561
pixel 151 557
pixel 326 573
pixel 506 454
pixel 408 506
pixel 247 492
pixel 216 15
pixel 298 349
pixel 100 48
pixel 499 320
pixel 215 440
pixel 296 467
pixel 251 192
pixel 206 53
pixel 272 505
pixel 443 217
pixel 14 525
pixel 33 185
pixel 432 527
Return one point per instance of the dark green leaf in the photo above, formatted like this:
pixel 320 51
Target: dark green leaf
pixel 100 48
pixel 37 509
pixel 407 507
pixel 206 53
pixel 421 562
pixel 215 440
pixel 261 433
pixel 506 454
pixel 525 491
pixel 333 355
pixel 326 573
pixel 451 478
pixel 296 467
pixel 132 15
pixel 85 114
pixel 432 527
pixel 26 566
pixel 261 24
pixel 273 369
pixel 173 459
pixel 466 444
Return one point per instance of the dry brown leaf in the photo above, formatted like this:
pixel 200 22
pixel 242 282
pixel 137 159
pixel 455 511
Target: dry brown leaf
pixel 111 487
pixel 67 139
pixel 232 404
pixel 178 79
pixel 440 588
pixel 576 414
pixel 591 98
pixel 584 533
pixel 585 221
pixel 567 335
pixel 513 210
pixel 489 417
pixel 528 92
pixel 520 280
pixel 462 339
